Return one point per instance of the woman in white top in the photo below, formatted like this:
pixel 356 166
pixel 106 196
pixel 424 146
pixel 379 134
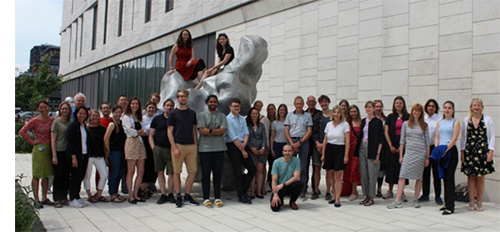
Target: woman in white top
pixel 135 152
pixel 335 152
pixel 431 117
pixel 477 147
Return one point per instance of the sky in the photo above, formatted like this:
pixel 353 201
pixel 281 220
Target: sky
pixel 36 22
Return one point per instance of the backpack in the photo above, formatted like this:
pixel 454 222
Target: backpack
pixel 462 192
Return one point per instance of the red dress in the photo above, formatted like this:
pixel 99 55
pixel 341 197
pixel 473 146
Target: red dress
pixel 351 172
pixel 183 56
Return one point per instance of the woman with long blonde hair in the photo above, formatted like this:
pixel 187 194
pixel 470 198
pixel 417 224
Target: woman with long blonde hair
pixel 477 147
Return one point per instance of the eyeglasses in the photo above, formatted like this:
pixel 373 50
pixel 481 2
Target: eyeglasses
pixel 62 109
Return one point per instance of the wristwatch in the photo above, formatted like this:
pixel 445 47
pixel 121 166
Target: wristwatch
pixel 210 131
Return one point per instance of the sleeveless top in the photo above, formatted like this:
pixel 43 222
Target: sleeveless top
pixel 117 139
pixel 446 131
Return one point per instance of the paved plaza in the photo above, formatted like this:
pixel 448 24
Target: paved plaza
pixel 313 215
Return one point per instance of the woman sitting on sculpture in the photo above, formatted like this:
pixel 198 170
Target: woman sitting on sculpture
pixel 186 65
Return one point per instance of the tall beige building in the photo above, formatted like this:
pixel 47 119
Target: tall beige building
pixel 354 49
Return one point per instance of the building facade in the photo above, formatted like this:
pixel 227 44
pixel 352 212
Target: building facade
pixel 357 50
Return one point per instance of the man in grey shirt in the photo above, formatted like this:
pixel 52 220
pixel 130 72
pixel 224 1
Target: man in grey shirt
pixel 298 129
pixel 212 126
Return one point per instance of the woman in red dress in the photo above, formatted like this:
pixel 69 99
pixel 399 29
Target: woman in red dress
pixel 186 65
pixel 351 173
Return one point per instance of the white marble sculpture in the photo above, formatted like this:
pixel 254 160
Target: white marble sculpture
pixel 238 80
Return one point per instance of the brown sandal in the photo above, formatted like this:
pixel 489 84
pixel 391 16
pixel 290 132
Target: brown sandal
pixel 93 199
pixel 369 202
pixel 117 199
pixel 102 199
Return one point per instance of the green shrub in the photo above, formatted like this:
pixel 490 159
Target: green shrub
pixel 22 146
pixel 26 213
pixel 18 127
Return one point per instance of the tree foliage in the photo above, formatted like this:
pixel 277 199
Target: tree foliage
pixel 31 89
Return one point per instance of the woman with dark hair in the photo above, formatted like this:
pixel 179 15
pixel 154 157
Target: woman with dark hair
pixel 149 179
pixel 431 117
pixel 186 65
pixel 344 104
pixel 42 155
pixel 135 153
pixel 379 113
pixel 351 173
pixel 447 131
pixel 225 53
pixel 477 147
pixel 114 143
pixel 415 144
pixel 393 126
pixel 256 147
pixel 271 117
pixel 59 142
pixel 78 150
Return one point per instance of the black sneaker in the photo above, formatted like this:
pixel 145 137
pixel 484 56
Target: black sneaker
pixel 178 202
pixel 162 200
pixel 188 200
pixel 423 198
pixel 171 198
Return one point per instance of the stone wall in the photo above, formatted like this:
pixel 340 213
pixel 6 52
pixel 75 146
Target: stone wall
pixel 365 50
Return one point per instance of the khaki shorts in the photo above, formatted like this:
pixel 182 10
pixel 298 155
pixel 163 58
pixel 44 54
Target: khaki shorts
pixel 163 159
pixel 188 155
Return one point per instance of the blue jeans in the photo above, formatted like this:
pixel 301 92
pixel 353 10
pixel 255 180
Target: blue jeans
pixel 116 170
pixel 304 163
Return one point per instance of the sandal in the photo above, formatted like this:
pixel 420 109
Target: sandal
pixel 479 206
pixel 102 199
pixel 364 201
pixel 116 199
pixel 58 204
pixel 219 203
pixel 207 203
pixel 471 207
pixel 369 202
pixel 92 199
pixel 442 208
pixel 120 197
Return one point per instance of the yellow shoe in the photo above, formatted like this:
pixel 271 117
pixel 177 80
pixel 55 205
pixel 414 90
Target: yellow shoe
pixel 219 203
pixel 208 203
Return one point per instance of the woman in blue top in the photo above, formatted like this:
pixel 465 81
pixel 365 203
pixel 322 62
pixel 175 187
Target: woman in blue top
pixel 447 131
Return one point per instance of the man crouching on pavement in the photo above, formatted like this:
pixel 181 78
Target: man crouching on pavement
pixel 286 175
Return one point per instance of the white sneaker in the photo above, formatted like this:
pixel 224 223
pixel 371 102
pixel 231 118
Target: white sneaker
pixel 395 205
pixel 82 202
pixel 75 203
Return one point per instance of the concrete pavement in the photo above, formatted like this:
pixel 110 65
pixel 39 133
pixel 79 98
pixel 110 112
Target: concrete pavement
pixel 313 215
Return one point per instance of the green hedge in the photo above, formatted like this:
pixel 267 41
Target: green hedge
pixel 22 146
pixel 18 127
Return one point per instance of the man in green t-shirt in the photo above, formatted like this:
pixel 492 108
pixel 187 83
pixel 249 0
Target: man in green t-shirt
pixel 286 176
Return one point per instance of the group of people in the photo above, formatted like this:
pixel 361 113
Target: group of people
pixel 124 141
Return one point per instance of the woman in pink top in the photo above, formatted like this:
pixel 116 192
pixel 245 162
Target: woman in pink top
pixel 42 155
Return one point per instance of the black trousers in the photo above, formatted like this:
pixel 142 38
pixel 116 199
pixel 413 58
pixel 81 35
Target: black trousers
pixel 426 185
pixel 449 180
pixel 241 183
pixel 211 162
pixel 293 189
pixel 77 175
pixel 61 177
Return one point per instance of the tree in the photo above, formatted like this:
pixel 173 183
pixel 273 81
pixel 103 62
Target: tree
pixel 31 89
